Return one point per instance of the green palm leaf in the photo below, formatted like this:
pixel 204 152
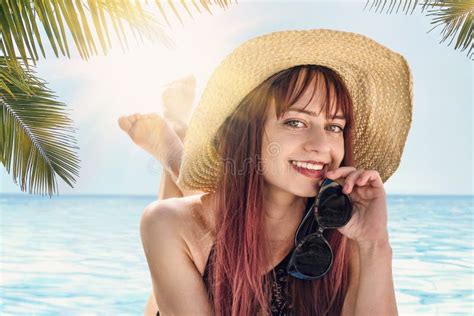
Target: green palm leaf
pixel 456 17
pixel 86 22
pixel 36 138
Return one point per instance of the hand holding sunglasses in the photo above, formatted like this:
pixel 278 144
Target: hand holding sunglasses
pixel 313 257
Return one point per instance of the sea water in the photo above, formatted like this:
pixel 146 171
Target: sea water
pixel 80 255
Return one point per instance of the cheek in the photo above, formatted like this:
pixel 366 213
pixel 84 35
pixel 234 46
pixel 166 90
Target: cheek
pixel 270 164
pixel 339 151
pixel 274 164
pixel 272 146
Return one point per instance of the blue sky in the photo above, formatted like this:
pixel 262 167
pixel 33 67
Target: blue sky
pixel 439 148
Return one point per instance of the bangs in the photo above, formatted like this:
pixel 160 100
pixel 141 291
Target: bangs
pixel 289 85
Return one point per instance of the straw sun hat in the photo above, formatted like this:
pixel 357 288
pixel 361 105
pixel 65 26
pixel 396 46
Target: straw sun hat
pixel 379 81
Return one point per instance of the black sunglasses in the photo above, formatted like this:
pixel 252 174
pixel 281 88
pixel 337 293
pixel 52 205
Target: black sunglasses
pixel 313 257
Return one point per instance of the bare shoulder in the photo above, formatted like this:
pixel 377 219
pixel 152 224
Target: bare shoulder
pixel 186 218
pixel 174 258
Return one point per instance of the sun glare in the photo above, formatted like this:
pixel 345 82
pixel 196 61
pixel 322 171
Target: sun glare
pixel 125 82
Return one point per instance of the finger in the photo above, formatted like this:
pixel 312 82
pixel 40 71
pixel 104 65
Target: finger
pixel 320 182
pixel 362 180
pixel 350 181
pixel 375 179
pixel 340 172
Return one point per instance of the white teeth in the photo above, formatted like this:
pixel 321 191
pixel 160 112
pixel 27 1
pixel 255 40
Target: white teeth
pixel 307 165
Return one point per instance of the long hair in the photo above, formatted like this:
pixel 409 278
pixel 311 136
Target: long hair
pixel 237 278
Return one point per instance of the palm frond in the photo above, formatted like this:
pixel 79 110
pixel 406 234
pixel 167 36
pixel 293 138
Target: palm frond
pixel 15 77
pixel 408 5
pixel 456 17
pixel 20 22
pixel 36 140
pixel 87 22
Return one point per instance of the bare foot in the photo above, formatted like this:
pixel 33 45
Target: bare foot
pixel 156 136
pixel 177 98
pixel 163 137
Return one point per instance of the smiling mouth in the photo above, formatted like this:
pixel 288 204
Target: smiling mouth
pixel 310 173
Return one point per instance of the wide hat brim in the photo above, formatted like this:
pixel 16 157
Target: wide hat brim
pixel 378 79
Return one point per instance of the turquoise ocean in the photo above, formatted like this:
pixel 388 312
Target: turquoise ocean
pixel 82 255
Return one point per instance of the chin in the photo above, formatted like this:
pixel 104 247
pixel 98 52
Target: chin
pixel 307 192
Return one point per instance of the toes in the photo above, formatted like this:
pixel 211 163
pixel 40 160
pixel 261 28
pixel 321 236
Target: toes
pixel 187 83
pixel 190 80
pixel 124 123
pixel 151 116
pixel 134 117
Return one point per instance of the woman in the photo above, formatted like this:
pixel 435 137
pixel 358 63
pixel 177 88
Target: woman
pixel 336 99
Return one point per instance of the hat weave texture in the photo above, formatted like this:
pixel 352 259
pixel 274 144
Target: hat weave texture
pixel 378 79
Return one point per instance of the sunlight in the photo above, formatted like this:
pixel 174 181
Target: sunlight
pixel 102 89
pixel 132 81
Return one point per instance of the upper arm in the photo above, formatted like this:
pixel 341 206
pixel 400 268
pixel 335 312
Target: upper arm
pixel 351 295
pixel 177 283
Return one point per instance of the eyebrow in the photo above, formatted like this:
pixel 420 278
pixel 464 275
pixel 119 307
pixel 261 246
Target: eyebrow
pixel 311 113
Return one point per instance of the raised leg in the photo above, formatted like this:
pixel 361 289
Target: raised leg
pixel 163 136
pixel 163 139
pixel 168 187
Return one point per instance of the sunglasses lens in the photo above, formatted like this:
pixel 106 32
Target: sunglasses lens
pixel 307 226
pixel 313 257
pixel 335 208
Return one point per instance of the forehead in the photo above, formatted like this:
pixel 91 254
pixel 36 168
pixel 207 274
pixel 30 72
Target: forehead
pixel 313 102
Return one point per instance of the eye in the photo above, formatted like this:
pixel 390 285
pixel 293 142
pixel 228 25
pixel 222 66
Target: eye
pixel 341 129
pixel 292 125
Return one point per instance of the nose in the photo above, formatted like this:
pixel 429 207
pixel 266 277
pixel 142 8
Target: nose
pixel 318 141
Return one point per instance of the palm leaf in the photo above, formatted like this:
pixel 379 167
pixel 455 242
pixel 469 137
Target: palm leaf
pixel 35 140
pixel 85 21
pixel 35 132
pixel 456 17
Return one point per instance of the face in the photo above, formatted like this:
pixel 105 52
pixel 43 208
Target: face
pixel 299 137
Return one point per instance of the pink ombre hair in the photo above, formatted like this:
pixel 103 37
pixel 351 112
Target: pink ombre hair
pixel 238 283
